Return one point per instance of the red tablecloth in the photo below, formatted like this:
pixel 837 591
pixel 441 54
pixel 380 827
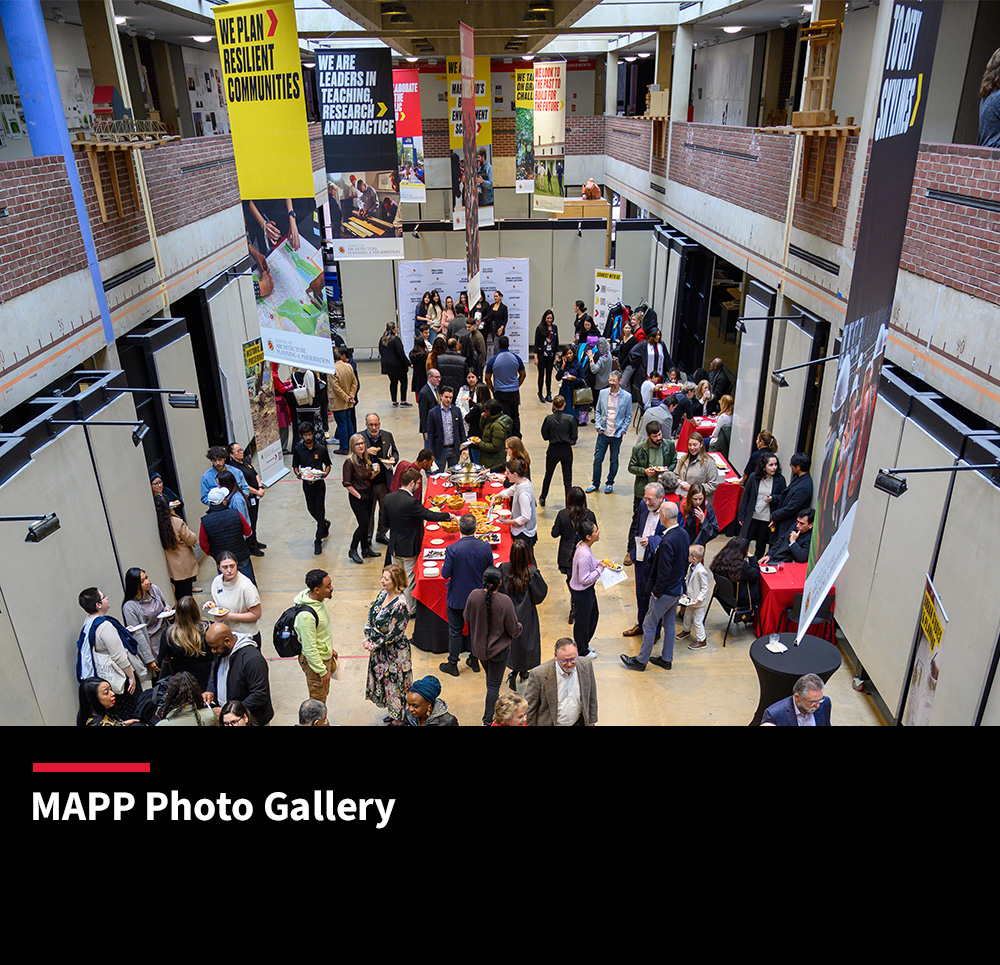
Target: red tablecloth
pixel 432 591
pixel 777 591
pixel 727 496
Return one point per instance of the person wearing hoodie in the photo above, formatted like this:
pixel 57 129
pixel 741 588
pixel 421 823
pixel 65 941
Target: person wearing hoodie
pixel 425 708
pixel 318 659
pixel 239 672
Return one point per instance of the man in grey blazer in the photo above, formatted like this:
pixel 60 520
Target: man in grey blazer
pixel 562 692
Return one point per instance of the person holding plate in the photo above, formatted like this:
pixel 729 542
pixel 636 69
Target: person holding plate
pixel 232 591
pixel 697 594
pixel 522 521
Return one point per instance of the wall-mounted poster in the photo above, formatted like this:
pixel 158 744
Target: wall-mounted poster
pixel 357 111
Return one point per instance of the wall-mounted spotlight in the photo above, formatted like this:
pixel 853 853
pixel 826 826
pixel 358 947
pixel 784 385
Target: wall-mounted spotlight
pixel 416 231
pixel 41 526
pixel 176 398
pixel 778 378
pixel 740 327
pixel 893 482
pixel 139 428
pixel 579 229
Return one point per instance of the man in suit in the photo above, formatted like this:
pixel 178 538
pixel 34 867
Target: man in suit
pixel 563 691
pixel 445 429
pixel 381 446
pixel 793 545
pixel 427 399
pixel 464 565
pixel 718 379
pixel 648 531
pixel 665 584
pixel 405 517
pixel 807 707
pixel 796 498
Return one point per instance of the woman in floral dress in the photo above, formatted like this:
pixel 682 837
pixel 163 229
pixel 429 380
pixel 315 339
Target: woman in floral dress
pixel 390 672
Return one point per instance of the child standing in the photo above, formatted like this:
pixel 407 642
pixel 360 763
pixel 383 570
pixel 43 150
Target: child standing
pixel 697 592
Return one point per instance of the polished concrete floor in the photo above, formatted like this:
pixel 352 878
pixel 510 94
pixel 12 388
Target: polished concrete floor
pixel 712 687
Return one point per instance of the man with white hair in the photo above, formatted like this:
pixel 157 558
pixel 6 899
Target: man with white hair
pixel 807 707
pixel 666 584
pixel 648 533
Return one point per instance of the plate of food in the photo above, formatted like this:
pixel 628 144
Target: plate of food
pixel 496 556
pixel 769 569
pixel 437 542
pixel 611 565
pixel 685 600
pixel 433 554
pixel 165 614
pixel 475 440
pixel 431 571
pixel 218 612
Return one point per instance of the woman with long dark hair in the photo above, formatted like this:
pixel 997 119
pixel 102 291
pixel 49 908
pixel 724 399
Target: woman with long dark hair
pixel 586 572
pixel 176 540
pixel 569 375
pixel 435 310
pixel 236 714
pixel 439 347
pixel 493 624
pixel 523 583
pixel 97 705
pixel 236 499
pixel 700 521
pixel 394 363
pixel 423 312
pixel 182 643
pixel 566 529
pixel 546 349
pixel 989 103
pixel 141 609
pixel 763 489
pixel 183 704
pixel 734 563
pixel 418 357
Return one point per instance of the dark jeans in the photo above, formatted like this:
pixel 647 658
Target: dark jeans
pixel 545 366
pixel 558 453
pixel 630 539
pixel 343 419
pixel 400 381
pixel 510 402
pixel 585 625
pixel 182 588
pixel 604 444
pixel 315 493
pixel 457 641
pixel 246 568
pixel 362 509
pixel 254 507
pixel 760 531
pixel 494 678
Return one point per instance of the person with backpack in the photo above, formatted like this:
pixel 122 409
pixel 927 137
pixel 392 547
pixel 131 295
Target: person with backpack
pixel 317 658
pixel 104 649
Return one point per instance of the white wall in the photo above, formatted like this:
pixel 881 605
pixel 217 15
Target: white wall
pixel 852 63
pixel 721 83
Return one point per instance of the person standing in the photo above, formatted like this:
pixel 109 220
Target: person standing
pixel 383 455
pixel 394 363
pixel 796 498
pixel 561 432
pixel 453 365
pixel 546 349
pixel 107 650
pixel 182 643
pixel 648 532
pixel 418 358
pixel 141 609
pixel 176 540
pixel 239 672
pixel 586 572
pixel 504 375
pixel 696 587
pixel 425 707
pixel 312 454
pixel 357 478
pixel 566 529
pixel 390 671
pixel 239 462
pixel 614 414
pixel 423 463
pixel 497 428
pixel 474 346
pixel 318 658
pixel 718 379
pixel 764 487
pixel 666 584
pixel 563 691
pixel 523 521
pixel 465 561
pixel 492 626
pixel 427 399
pixel 523 582
pixel 651 454
pixel 210 478
pixel 222 529
pixel 345 391
pixel 446 429
pixel 569 375
pixel 599 365
pixel 233 591
pixel 405 517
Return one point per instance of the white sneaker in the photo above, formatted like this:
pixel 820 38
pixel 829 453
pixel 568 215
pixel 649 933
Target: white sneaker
pixel 590 653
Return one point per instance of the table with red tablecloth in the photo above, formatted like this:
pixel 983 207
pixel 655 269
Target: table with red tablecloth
pixel 430 626
pixel 727 495
pixel 777 592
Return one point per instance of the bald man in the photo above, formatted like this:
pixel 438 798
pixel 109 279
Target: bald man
pixel 718 379
pixel 239 672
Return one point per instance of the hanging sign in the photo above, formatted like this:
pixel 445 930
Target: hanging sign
pixel 409 135
pixel 524 128
pixel 550 136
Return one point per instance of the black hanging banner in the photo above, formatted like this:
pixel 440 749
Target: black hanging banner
pixel 356 109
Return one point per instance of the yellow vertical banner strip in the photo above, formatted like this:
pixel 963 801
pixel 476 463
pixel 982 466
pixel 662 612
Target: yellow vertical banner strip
pixel 265 95
pixel 484 103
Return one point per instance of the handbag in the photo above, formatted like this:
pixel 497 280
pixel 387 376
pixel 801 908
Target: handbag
pixel 583 397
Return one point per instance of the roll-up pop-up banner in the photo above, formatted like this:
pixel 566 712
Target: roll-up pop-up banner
pixel 905 85
pixel 262 74
pixel 524 127
pixel 550 135
pixel 483 131
pixel 357 110
pixel 263 412
pixel 409 135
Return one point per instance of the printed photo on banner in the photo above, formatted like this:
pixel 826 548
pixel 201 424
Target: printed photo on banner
pixel 550 136
pixel 484 187
pixel 524 130
pixel 283 240
pixel 263 411
pixel 357 112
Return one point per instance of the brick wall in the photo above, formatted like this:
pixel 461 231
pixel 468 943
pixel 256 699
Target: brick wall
pixel 40 238
pixel 735 164
pixel 627 139
pixel 821 218
pixel 117 234
pixel 947 241
pixel 587 135
pixel 436 137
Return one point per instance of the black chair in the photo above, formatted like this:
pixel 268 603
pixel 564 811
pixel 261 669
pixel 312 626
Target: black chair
pixel 823 618
pixel 728 596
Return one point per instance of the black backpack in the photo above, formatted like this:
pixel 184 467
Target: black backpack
pixel 285 639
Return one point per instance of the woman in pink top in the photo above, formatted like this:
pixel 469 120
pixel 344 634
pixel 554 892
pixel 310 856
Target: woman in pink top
pixel 586 572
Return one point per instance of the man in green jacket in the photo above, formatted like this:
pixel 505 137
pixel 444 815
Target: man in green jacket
pixel 654 451
pixel 318 658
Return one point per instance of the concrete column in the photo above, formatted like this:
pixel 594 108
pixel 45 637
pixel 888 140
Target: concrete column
pixel 611 85
pixel 680 82
pixel 665 59
pixel 100 48
pixel 35 75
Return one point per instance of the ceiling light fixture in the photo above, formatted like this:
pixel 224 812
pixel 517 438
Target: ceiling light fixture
pixel 121 21
pixel 644 54
pixel 389 8
pixel 541 6
pixel 731 30
pixel 412 60
pixel 630 59
pixel 528 57
pixel 401 18
pixel 203 39
pixel 535 16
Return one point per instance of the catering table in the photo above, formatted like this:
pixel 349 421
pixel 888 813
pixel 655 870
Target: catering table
pixel 777 672
pixel 777 592
pixel 727 495
pixel 430 626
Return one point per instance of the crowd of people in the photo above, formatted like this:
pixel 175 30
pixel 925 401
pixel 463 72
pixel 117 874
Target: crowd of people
pixel 164 664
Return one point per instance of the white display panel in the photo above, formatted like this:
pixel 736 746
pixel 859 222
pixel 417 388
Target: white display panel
pixel 749 375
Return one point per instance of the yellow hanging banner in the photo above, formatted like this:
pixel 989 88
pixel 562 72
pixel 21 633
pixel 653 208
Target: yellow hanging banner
pixel 484 110
pixel 265 94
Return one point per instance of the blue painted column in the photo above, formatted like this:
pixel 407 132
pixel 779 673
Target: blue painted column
pixel 35 75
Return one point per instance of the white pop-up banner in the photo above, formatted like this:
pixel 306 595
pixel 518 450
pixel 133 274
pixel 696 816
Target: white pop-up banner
pixel 448 276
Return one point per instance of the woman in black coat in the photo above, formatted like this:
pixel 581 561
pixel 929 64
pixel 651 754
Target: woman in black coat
pixel 418 357
pixel 762 489
pixel 566 529
pixel 394 362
